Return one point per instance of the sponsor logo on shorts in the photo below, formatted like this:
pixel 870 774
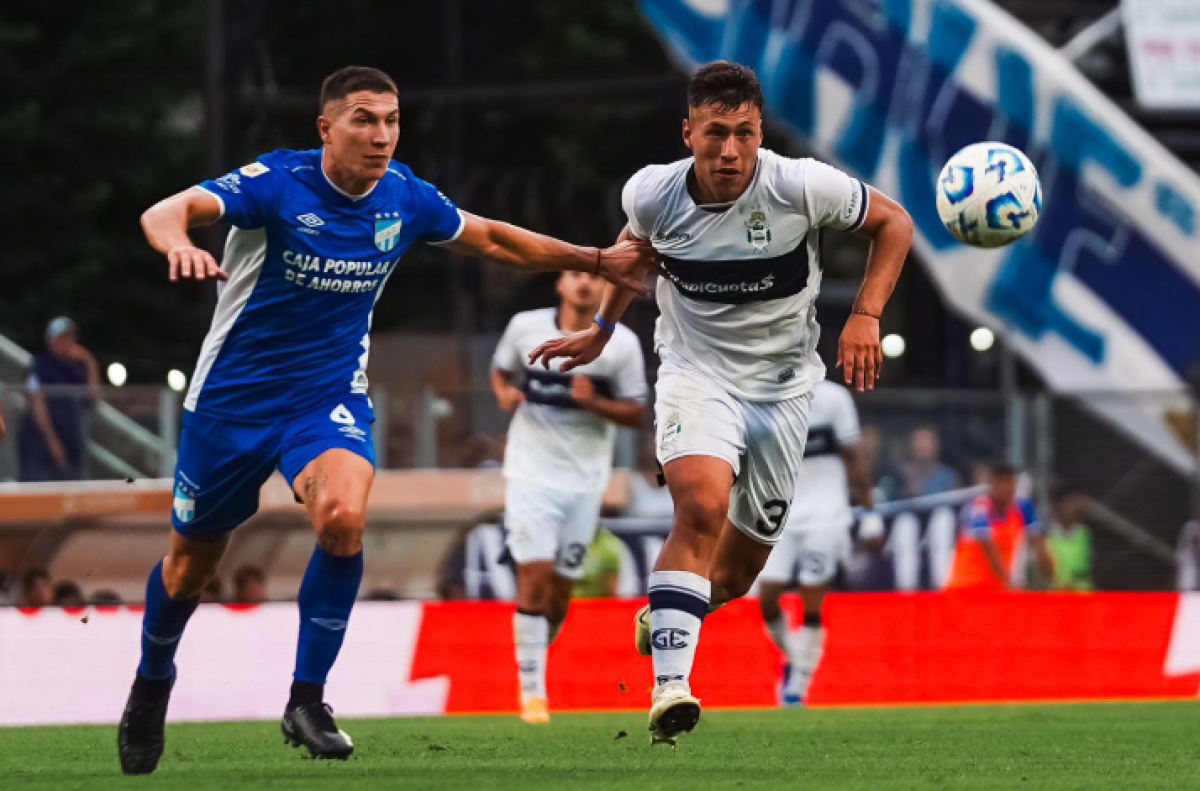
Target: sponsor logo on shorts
pixel 670 639
pixel 333 624
pixel 670 432
pixel 787 375
pixel 354 432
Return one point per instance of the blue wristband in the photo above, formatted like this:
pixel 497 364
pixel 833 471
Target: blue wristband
pixel 604 325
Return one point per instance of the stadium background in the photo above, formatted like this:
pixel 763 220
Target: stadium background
pixel 535 112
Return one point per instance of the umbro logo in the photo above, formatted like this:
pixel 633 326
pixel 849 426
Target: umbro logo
pixel 311 220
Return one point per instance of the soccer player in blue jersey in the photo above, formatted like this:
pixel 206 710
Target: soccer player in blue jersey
pixel 281 380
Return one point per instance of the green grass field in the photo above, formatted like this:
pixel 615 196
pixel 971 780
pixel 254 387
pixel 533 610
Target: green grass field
pixel 1042 748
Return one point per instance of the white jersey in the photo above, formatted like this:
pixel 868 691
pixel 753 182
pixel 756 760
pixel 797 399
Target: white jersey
pixel 738 295
pixel 822 498
pixel 552 441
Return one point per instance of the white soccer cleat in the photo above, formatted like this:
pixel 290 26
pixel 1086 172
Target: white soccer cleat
pixel 535 710
pixel 675 711
pixel 641 632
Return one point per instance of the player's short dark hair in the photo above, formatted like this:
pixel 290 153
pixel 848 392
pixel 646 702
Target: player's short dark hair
pixel 352 79
pixel 727 85
pixel 1002 469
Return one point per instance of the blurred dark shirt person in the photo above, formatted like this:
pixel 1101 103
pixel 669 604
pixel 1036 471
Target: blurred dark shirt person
pixel 249 585
pixel 51 442
pixel 36 589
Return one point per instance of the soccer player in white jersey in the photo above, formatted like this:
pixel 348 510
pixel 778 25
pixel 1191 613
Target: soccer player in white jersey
pixel 738 229
pixel 281 382
pixel 816 537
pixel 557 462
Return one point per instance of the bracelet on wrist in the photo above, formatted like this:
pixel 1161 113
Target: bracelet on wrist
pixel 604 325
pixel 599 258
pixel 857 312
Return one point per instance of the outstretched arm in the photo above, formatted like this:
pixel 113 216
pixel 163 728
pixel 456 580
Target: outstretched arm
pixel 624 264
pixel 581 348
pixel 891 230
pixel 166 225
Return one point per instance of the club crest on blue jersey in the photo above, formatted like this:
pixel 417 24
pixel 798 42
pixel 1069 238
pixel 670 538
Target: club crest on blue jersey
pixel 387 230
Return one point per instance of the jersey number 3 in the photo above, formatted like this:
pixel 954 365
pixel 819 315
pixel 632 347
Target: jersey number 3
pixel 776 512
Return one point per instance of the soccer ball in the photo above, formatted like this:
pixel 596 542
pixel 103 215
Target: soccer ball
pixel 989 195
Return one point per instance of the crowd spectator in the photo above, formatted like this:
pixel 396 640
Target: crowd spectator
pixel 924 473
pixel 601 568
pixel 994 527
pixel 68 594
pixel 106 598
pixel 249 585
pixel 1070 541
pixel 36 589
pixel 51 441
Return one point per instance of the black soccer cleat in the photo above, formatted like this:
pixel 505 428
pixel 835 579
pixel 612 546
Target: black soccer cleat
pixel 311 725
pixel 140 737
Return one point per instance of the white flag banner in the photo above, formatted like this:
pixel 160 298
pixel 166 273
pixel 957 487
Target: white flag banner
pixel 1104 295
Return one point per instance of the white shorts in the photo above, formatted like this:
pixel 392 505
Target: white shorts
pixel 550 524
pixel 808 555
pixel 762 440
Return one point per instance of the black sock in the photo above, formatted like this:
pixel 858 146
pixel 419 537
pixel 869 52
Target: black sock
pixel 304 692
pixel 813 620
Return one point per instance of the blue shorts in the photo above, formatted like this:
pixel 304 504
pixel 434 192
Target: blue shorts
pixel 223 465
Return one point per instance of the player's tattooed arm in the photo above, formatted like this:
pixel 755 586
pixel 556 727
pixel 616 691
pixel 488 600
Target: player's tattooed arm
pixel 166 225
pixel 583 347
pixel 890 229
pixel 624 264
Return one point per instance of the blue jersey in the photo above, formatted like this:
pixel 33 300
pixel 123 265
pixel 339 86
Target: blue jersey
pixel 306 264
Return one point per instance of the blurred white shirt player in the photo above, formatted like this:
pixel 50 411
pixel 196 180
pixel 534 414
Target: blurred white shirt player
pixel 557 463
pixel 816 537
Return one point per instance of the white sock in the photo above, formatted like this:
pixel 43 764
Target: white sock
pixel 807 648
pixel 778 630
pixel 809 645
pixel 678 603
pixel 530 634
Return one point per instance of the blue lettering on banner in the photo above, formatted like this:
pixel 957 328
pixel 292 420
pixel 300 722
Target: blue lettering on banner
pixel 909 90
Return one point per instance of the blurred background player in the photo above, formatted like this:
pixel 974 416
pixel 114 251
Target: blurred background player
pixel 738 231
pixel 281 381
pixel 816 537
pixel 557 463
pixel 996 526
